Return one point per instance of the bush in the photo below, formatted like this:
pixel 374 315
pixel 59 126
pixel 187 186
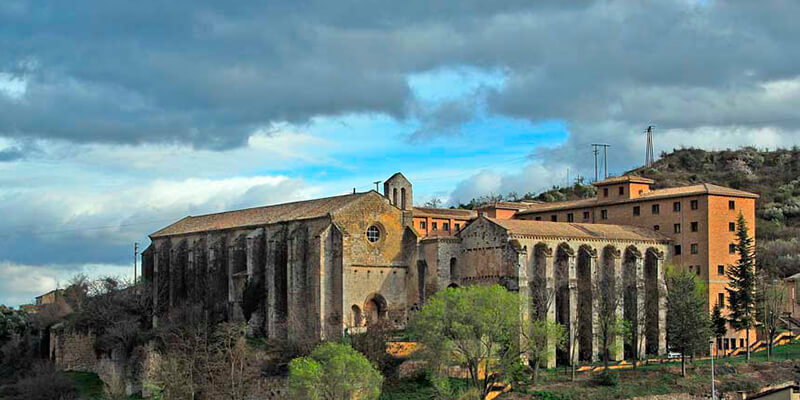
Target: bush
pixel 334 371
pixel 544 395
pixel 606 379
pixel 44 382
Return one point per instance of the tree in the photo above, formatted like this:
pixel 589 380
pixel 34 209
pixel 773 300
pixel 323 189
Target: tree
pixel 476 327
pixel 742 281
pixel 688 324
pixel 771 300
pixel 539 336
pixel 608 293
pixel 434 202
pixel 334 371
pixel 719 325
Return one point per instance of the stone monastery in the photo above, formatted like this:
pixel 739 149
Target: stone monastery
pixel 330 266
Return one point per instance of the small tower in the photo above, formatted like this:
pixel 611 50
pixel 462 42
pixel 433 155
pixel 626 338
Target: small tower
pixel 398 190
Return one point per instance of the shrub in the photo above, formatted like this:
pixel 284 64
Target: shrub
pixel 606 379
pixel 44 382
pixel 334 372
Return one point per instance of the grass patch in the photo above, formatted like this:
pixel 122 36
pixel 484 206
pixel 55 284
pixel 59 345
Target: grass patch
pixel 89 385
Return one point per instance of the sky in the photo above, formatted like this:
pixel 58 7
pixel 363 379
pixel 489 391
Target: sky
pixel 118 118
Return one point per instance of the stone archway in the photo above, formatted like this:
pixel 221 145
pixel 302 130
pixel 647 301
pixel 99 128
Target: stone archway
pixel 565 312
pixel 651 300
pixel 358 318
pixel 632 301
pixel 587 258
pixel 375 309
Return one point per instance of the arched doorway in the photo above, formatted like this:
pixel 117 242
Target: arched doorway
pixel 358 319
pixel 375 309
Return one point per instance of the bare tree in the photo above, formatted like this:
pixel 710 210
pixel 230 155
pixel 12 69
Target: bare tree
pixel 770 298
pixel 608 294
pixel 540 334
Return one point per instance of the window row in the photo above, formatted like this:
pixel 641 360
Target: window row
pixel 435 226
pixel 693 248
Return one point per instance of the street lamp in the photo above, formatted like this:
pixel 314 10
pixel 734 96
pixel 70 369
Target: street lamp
pixel 711 346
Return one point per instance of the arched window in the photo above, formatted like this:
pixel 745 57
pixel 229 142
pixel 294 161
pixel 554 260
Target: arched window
pixel 453 269
pixel 358 320
pixel 403 198
pixel 394 196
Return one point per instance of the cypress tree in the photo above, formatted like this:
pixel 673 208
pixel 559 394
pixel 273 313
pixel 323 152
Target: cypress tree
pixel 742 283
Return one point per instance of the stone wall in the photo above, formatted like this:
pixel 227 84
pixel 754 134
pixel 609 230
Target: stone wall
pixel 73 351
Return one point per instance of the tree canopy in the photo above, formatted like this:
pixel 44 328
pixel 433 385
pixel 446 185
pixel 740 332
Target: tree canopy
pixel 476 327
pixel 334 371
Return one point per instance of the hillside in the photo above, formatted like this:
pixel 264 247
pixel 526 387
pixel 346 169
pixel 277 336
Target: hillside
pixel 774 174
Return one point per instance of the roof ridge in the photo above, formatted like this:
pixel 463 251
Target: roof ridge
pixel 274 205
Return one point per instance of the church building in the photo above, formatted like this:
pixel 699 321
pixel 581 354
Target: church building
pixel 326 267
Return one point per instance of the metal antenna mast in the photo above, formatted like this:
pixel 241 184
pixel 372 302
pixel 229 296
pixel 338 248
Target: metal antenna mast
pixel 648 158
pixel 596 148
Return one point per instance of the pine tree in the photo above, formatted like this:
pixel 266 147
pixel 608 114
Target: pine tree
pixel 742 283
pixel 688 325
pixel 718 323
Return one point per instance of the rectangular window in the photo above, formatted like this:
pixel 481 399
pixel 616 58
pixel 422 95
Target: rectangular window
pixel 554 218
pixel 677 228
pixel 733 344
pixel 731 205
pixel 725 343
pixel 720 270
pixel 732 226
pixel 603 214
pixel 538 218
pixel 694 204
pixel 694 226
pixel 698 270
pixel 423 225
pixel 741 342
pixel 656 209
pixel 656 227
pixel 637 211
pixel 458 227
pixel 435 226
pixel 732 248
pixel 585 215
pixel 694 248
pixel 446 226
pixel 570 217
pixel 721 300
pixel 622 190
pixel 605 192
pixel 677 249
pixel 676 206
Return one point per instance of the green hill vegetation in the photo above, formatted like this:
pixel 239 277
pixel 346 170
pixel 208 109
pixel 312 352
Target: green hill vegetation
pixel 774 174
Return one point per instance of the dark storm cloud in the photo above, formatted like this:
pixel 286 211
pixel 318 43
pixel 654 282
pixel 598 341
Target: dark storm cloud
pixel 208 73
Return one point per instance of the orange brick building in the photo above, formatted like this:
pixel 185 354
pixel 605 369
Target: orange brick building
pixel 700 219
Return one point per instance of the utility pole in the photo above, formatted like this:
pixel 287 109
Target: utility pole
pixel 567 177
pixel 135 260
pixel 596 148
pixel 648 156
pixel 377 188
pixel 713 391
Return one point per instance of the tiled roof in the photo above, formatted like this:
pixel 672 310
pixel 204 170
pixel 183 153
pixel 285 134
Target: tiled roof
pixel 443 212
pixel 624 179
pixel 258 215
pixel 699 189
pixel 513 205
pixel 578 231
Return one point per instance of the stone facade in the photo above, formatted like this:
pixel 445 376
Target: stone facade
pixel 324 267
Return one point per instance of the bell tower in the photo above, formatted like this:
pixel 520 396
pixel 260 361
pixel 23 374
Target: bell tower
pixel 399 192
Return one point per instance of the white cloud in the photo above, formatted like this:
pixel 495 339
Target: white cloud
pixel 20 284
